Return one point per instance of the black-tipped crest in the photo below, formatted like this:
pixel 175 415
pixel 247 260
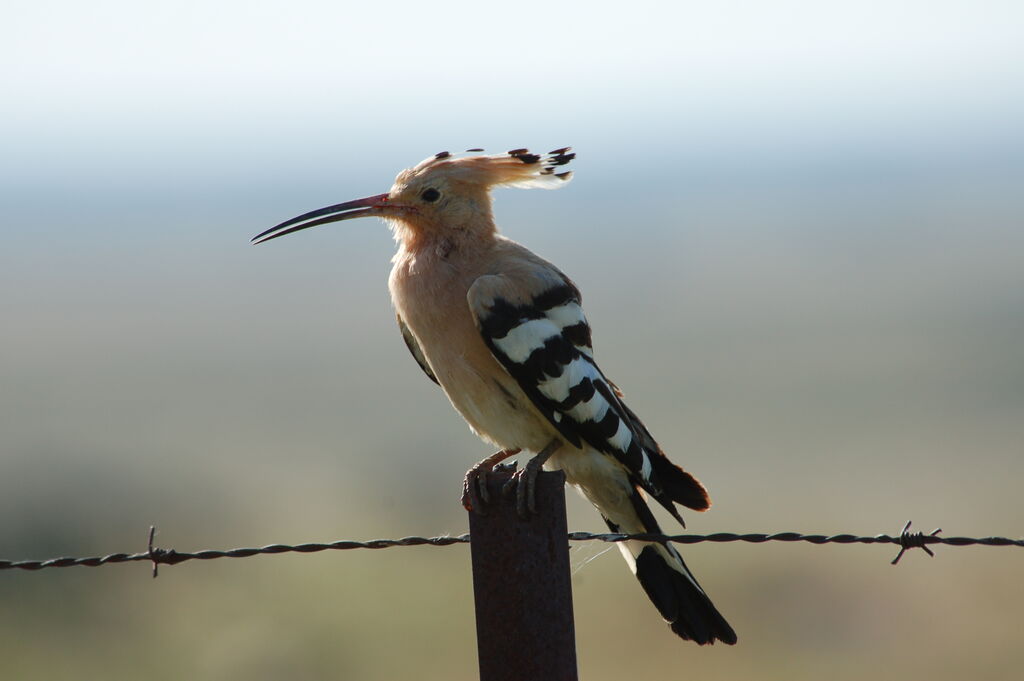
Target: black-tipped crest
pixel 526 157
pixel 515 168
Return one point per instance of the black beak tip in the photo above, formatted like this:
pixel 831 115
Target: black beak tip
pixel 322 216
pixel 261 237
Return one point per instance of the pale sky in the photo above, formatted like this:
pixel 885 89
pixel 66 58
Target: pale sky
pixel 191 62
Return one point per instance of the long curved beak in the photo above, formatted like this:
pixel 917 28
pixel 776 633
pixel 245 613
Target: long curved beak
pixel 371 205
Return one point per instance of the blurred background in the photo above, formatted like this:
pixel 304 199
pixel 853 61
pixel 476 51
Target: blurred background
pixel 798 228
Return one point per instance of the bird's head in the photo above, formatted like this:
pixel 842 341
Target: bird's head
pixel 442 194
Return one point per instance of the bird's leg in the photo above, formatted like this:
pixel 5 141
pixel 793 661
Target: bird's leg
pixel 474 485
pixel 525 481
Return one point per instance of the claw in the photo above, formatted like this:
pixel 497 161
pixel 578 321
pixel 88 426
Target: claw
pixel 474 486
pixel 525 481
pixel 522 483
pixel 481 483
pixel 527 502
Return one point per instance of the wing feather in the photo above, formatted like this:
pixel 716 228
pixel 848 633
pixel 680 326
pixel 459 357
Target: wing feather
pixel 414 349
pixel 540 335
pixel 543 341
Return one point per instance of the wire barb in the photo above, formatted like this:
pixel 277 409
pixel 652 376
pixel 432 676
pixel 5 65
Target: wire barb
pixel 158 556
pixel 914 540
pixel 151 552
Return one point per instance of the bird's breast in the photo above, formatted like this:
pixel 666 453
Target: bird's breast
pixel 432 303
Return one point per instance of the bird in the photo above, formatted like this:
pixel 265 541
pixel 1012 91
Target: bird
pixel 502 332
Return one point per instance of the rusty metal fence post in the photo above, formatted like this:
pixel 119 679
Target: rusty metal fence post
pixel 522 586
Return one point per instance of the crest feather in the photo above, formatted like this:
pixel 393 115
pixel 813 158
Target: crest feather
pixel 516 168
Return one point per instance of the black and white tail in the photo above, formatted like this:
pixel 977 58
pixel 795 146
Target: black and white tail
pixel 660 569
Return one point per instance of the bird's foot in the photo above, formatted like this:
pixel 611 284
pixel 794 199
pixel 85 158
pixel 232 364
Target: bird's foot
pixel 474 485
pixel 524 481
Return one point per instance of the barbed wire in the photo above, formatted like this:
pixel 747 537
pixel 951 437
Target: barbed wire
pixel 157 556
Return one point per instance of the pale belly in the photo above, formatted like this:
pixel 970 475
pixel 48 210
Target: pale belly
pixel 492 403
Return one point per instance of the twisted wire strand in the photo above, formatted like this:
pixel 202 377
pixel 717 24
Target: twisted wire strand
pixel 157 556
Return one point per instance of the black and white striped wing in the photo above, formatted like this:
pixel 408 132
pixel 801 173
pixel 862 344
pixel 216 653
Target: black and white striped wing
pixel 543 341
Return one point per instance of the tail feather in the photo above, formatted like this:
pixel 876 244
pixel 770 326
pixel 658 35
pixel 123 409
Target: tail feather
pixel 677 596
pixel 664 576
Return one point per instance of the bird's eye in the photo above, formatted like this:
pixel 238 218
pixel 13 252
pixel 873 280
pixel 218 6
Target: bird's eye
pixel 430 195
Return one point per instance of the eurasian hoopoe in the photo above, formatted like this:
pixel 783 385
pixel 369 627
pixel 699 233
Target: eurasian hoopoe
pixel 502 332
